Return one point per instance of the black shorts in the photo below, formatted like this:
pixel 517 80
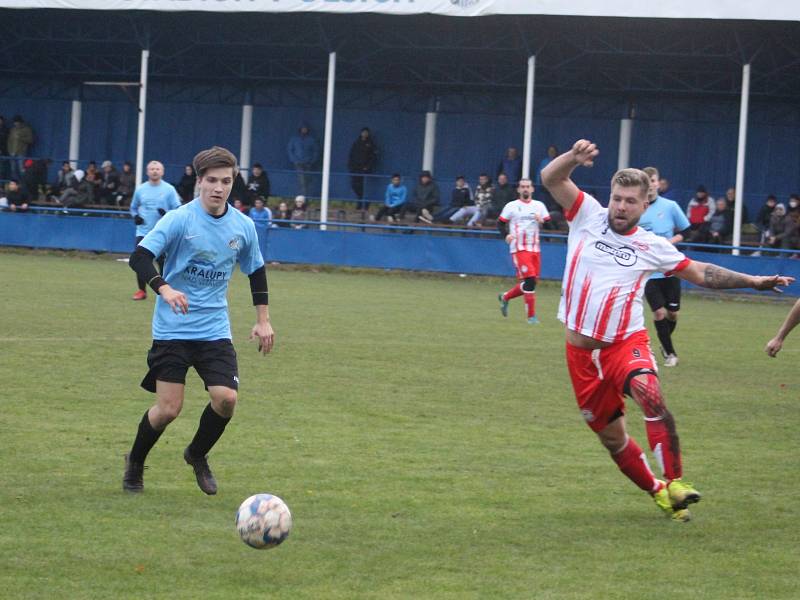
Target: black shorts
pixel 214 361
pixel 664 292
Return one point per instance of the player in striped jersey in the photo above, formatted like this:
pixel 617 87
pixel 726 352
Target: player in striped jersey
pixel 609 258
pixel 519 224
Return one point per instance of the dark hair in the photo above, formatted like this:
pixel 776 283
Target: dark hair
pixel 214 158
pixel 460 177
pixel 396 175
pixel 484 175
pixel 258 165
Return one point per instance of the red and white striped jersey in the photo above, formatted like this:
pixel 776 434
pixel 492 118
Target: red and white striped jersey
pixel 601 293
pixel 522 223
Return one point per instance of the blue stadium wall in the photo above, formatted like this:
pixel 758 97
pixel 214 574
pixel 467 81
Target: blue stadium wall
pixel 692 141
pixel 383 250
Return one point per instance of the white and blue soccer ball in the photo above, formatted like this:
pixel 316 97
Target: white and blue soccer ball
pixel 263 521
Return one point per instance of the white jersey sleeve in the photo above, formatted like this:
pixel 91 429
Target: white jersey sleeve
pixel 583 209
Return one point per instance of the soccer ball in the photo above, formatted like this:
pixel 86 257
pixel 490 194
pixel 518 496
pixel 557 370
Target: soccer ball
pixel 263 521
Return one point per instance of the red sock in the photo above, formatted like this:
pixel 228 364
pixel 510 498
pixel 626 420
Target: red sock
pixel 530 303
pixel 633 463
pixel 665 448
pixel 514 292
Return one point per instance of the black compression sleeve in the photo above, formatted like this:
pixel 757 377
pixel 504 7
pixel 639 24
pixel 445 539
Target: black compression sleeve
pixel 141 261
pixel 502 227
pixel 685 233
pixel 258 286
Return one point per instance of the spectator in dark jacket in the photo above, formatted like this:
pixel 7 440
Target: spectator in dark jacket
pixel 80 192
pixel 460 196
pixel 424 198
pixel 185 187
pixel 363 159
pixel 109 183
pixel 720 226
pixel 258 183
pixel 504 193
pixel 63 178
pixel 127 185
pixel 239 190
pixel 16 199
pixel 765 212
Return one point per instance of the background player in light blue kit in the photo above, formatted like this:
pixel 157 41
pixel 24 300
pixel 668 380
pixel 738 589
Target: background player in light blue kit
pixel 151 201
pixel 203 241
pixel 664 218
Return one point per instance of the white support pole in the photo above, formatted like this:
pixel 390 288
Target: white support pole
pixel 740 156
pixel 247 133
pixel 142 108
pixel 625 130
pixel 429 145
pixel 75 133
pixel 326 146
pixel 526 139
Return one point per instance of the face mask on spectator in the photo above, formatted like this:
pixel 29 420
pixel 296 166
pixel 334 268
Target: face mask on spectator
pixel 793 203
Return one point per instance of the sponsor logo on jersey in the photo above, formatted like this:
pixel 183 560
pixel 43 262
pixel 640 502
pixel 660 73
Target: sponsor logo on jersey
pixel 587 415
pixel 234 243
pixel 625 256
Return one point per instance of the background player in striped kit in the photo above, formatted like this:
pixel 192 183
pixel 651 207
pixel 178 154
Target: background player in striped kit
pixel 608 351
pixel 519 224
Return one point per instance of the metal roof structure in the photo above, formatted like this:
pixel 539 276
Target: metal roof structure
pixel 592 55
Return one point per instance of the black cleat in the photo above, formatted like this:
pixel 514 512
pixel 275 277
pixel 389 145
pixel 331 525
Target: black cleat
pixel 205 478
pixel 133 479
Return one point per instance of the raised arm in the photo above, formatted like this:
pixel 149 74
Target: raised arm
pixel 792 319
pixel 717 278
pixel 556 175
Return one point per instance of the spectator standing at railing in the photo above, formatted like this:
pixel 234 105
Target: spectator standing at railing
pixel 127 185
pixel 4 168
pixel 299 212
pixel 19 142
pixel 258 183
pixel 186 184
pixel 363 159
pixel 303 151
pixel 151 201
pixel 424 198
pixel 393 201
pixel 15 198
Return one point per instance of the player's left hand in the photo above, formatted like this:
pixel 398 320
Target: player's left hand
pixel 772 282
pixel 265 336
pixel 773 347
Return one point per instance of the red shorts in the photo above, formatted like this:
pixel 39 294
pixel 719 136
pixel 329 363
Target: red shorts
pixel 528 264
pixel 600 377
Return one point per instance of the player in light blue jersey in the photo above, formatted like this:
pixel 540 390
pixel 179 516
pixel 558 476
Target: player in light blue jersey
pixel 203 241
pixel 666 219
pixel 151 201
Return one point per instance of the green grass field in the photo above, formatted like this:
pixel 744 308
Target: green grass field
pixel 428 448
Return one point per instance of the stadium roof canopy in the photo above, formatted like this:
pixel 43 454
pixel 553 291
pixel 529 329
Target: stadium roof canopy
pixel 691 47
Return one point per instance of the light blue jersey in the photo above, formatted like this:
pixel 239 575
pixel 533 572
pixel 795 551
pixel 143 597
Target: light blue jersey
pixel 147 199
pixel 664 218
pixel 202 252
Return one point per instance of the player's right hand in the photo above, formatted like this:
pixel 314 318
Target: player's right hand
pixel 772 283
pixel 584 152
pixel 177 300
pixel 773 347
pixel 510 238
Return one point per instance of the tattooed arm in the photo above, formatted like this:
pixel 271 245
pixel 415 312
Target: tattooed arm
pixel 717 278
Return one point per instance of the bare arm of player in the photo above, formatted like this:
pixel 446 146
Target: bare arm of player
pixel 792 319
pixel 262 330
pixel 556 175
pixel 717 278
